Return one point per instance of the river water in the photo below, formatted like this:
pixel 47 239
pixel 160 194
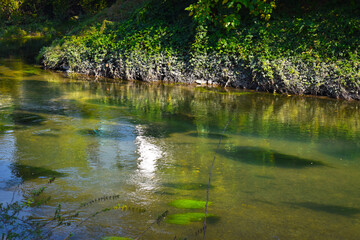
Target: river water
pixel 288 167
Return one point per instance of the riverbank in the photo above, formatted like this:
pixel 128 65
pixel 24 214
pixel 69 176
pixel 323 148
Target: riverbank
pixel 303 52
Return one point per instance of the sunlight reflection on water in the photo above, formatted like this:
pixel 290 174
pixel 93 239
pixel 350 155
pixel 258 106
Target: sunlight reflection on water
pixel 149 154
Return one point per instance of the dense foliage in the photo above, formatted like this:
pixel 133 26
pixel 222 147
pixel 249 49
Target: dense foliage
pixel 15 10
pixel 302 47
pixel 229 13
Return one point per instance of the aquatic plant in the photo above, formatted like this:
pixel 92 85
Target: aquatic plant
pixel 193 234
pixel 158 220
pixel 14 224
pixel 187 218
pixel 188 203
pixel 103 198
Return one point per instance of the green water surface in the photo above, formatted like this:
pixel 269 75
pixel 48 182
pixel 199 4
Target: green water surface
pixel 287 168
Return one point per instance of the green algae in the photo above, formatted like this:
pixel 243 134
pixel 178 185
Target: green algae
pixel 187 218
pixel 188 204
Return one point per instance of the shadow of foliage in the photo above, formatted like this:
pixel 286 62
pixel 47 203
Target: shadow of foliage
pixel 29 119
pixel 267 157
pixel 332 209
pixel 26 172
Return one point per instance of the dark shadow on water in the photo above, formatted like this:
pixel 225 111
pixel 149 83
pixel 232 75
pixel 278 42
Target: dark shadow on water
pixel 26 172
pixel 25 118
pixel 332 209
pixel 155 131
pixel 266 157
pixel 164 130
pixel 187 186
pixel 208 135
pixel 213 219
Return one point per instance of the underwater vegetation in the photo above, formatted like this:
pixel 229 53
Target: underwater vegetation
pixel 267 157
pixel 26 172
pixel 188 204
pixel 187 218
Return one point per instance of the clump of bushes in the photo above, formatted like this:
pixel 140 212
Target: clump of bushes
pixel 316 53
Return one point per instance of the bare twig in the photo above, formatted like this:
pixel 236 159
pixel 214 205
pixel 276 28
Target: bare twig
pixel 157 221
pixel 208 187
